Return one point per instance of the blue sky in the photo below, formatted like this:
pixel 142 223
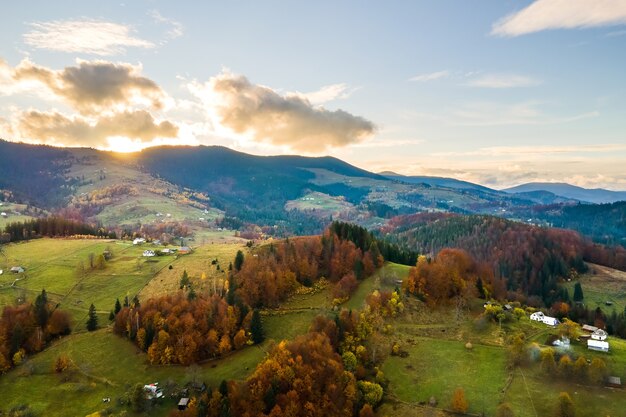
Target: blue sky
pixel 495 92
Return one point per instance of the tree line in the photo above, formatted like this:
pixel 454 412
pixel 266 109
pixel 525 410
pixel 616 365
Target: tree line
pixel 51 227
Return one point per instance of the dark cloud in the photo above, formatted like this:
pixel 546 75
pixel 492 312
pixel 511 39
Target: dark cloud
pixel 283 120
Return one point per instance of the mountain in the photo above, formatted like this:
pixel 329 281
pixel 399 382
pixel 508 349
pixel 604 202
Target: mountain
pixel 436 181
pixel 178 188
pixel 594 195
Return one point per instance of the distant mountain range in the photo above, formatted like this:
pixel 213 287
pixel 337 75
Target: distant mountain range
pixel 294 194
pixel 595 195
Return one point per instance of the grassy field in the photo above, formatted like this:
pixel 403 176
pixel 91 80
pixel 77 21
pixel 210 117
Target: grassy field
pixel 385 278
pixel 196 264
pixel 602 284
pixel 480 372
pixel 52 264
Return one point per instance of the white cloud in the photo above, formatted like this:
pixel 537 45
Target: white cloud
pixel 290 122
pixel 535 151
pixel 328 93
pixel 175 27
pixel 561 14
pixel 90 36
pixel 432 76
pixel 503 81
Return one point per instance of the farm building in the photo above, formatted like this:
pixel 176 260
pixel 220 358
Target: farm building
pixel 539 316
pixel 184 250
pixel 17 270
pixel 597 345
pixel 148 253
pixel 153 391
pixel 183 403
pixel 614 381
pixel 599 334
pixel 139 241
pixel 588 328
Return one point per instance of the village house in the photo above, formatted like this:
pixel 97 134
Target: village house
pixel 598 345
pixel 599 334
pixel 183 403
pixel 148 253
pixel 539 316
pixel 589 328
pixel 184 250
pixel 17 270
pixel 139 241
pixel 3 214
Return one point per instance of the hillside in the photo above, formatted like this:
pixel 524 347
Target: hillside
pixel 595 195
pixel 196 187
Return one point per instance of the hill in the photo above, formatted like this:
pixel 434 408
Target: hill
pixel 205 189
pixel 437 181
pixel 595 195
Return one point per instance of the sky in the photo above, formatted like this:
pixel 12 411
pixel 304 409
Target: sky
pixel 498 92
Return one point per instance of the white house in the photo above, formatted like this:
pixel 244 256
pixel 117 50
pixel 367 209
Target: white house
pixel 148 253
pixel 551 321
pixel 17 270
pixel 153 391
pixel 597 345
pixel 589 328
pixel 139 241
pixel 539 316
pixel 3 214
pixel 599 334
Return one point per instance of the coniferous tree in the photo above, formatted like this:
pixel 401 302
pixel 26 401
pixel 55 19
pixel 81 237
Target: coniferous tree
pixel 118 306
pixel 578 292
pixel 256 327
pixel 92 320
pixel 239 260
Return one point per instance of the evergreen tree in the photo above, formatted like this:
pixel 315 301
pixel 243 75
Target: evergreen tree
pixel 256 327
pixel 239 260
pixel 118 306
pixel 92 320
pixel 481 289
pixel 566 406
pixel 232 288
pixel 111 316
pixel 578 292
pixel 184 280
pixel 136 301
pixel 41 308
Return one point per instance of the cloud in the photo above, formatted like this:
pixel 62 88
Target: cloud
pixel 328 93
pixel 290 121
pixel 561 14
pixel 175 27
pixel 89 36
pixel 56 128
pixel 94 86
pixel 503 81
pixel 432 76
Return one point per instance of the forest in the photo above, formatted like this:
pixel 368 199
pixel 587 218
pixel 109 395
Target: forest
pixel 27 328
pixel 51 227
pixel 531 259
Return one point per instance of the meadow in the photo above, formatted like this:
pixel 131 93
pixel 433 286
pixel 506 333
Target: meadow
pixel 602 284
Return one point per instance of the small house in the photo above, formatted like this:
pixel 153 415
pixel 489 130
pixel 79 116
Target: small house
pixel 538 316
pixel 589 328
pixel 183 403
pixel 614 381
pixel 17 270
pixel 184 250
pixel 149 253
pixel 139 241
pixel 508 307
pixel 153 391
pixel 551 321
pixel 597 345
pixel 599 335
pixel 3 214
pixel 156 242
